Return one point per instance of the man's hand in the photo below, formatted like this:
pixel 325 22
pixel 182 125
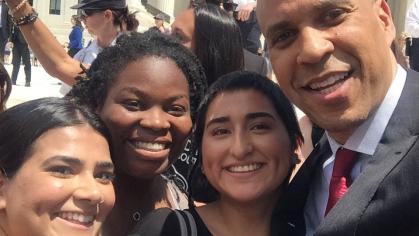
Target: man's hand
pixel 245 11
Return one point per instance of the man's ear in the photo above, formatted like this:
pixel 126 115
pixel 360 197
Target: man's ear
pixel 3 185
pixel 384 14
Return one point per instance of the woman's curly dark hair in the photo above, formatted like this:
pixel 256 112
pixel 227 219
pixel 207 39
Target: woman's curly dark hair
pixel 93 89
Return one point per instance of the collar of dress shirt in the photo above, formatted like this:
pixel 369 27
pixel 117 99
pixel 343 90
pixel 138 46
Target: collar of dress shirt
pixel 366 137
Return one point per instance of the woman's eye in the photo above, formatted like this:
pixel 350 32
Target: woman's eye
pixel 61 171
pixel 132 104
pixel 177 110
pixel 260 127
pixel 220 131
pixel 105 177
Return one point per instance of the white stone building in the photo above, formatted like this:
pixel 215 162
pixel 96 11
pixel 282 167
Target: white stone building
pixel 56 14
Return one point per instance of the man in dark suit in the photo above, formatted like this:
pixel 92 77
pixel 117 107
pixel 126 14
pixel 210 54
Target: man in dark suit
pixel 20 53
pixel 4 28
pixel 333 59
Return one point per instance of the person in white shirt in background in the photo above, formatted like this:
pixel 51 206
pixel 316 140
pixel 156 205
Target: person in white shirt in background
pixel 245 14
pixel 412 29
pixel 99 18
pixel 97 13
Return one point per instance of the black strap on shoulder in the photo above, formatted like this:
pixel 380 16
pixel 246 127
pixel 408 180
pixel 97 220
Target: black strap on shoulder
pixel 186 221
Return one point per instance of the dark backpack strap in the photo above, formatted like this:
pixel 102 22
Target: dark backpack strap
pixel 182 223
pixel 186 223
pixel 192 223
pixel 153 223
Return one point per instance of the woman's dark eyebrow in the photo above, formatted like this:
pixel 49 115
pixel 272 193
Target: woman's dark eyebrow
pixel 249 116
pixel 66 159
pixel 222 119
pixel 105 165
pixel 141 94
pixel 134 91
pixel 255 115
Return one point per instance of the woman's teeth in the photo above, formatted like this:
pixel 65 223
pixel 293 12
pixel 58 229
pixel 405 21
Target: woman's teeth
pixel 245 168
pixel 155 147
pixel 82 219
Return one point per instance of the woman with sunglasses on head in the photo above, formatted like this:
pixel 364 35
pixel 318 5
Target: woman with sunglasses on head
pixel 105 19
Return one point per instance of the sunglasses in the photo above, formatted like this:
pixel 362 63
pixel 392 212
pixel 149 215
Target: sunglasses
pixel 88 12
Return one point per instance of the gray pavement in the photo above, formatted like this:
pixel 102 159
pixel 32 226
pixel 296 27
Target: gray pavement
pixel 42 85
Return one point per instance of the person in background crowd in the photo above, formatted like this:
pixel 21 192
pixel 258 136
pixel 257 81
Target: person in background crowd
pixel 4 28
pixel 213 36
pixel 215 39
pixel 246 138
pixel 55 170
pixel 146 89
pixel 103 18
pixel 20 53
pixel 75 37
pixel 333 59
pixel 412 29
pixel 5 87
pixel 8 53
pixel 245 14
pixel 159 21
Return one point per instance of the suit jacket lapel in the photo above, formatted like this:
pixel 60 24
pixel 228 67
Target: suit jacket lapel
pixel 399 136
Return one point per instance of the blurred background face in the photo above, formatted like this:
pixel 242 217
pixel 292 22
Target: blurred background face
pixel 63 188
pixel 246 150
pixel 184 28
pixel 148 113
pixel 158 22
pixel 95 20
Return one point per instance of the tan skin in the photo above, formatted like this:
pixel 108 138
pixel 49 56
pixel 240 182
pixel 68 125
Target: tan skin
pixel 50 52
pixel 184 27
pixel 63 174
pixel 242 129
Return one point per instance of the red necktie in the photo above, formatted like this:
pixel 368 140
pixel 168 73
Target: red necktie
pixel 341 176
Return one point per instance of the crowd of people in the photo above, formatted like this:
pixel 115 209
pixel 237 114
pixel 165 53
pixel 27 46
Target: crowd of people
pixel 181 133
